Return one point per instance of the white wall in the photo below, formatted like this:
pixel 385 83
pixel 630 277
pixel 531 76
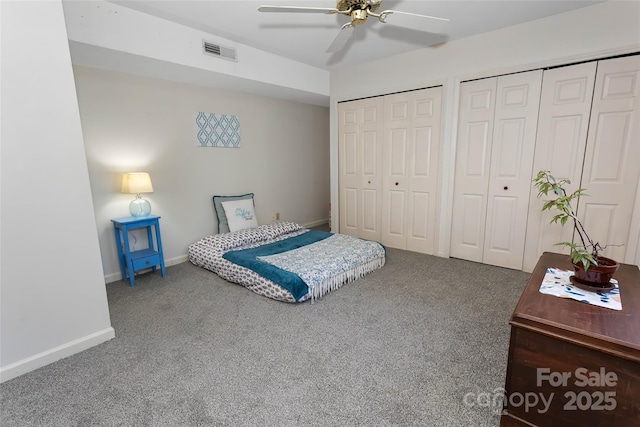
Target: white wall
pixel 596 31
pixel 53 297
pixel 134 123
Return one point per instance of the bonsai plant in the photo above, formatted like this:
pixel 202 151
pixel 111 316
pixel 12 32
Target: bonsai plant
pixel 591 268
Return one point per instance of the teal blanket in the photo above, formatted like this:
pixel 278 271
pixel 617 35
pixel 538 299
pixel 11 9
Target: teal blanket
pixel 248 258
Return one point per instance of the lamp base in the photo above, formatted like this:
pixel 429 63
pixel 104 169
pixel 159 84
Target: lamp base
pixel 139 207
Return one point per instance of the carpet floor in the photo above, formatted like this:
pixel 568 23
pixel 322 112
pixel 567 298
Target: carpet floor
pixel 421 342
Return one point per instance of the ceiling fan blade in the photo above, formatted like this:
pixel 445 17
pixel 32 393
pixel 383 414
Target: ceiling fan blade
pixel 343 36
pixel 430 24
pixel 296 9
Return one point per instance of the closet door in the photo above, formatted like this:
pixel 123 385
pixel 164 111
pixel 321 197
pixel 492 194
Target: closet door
pixel 493 169
pixel 514 138
pixel 565 106
pixel 632 254
pixel 612 158
pixel 473 157
pixel 360 131
pixel 410 163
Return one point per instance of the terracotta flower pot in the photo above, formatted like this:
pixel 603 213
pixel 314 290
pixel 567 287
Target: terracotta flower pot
pixel 596 276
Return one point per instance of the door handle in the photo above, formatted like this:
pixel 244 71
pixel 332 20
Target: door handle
pixel 396 183
pixel 506 188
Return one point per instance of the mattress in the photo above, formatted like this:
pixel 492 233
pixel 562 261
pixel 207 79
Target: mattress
pixel 322 262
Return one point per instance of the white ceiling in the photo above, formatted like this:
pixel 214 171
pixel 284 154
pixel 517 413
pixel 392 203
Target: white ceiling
pixel 305 37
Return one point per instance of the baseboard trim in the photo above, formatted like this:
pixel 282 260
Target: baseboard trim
pixel 176 260
pixel 114 277
pixel 47 357
pixel 316 223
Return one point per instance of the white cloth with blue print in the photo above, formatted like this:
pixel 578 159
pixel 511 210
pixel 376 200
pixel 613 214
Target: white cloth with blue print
pixel 556 282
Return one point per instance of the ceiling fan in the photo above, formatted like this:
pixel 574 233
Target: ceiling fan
pixel 359 11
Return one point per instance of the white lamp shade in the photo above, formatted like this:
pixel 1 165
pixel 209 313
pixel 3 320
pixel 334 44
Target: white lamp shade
pixel 136 183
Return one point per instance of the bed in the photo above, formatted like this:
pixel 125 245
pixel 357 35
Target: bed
pixel 287 262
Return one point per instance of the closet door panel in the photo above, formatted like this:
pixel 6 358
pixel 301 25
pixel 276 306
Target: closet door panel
pixel 370 222
pixel 473 156
pixel 397 215
pixel 370 212
pixel 565 106
pixel 423 171
pixel 350 197
pixel 611 165
pixel 410 165
pixel 515 123
pixel 632 254
pixel 505 213
pixel 398 138
pixel 472 227
pixel 388 168
pixel 348 168
pixel 360 134
pixel 421 155
pixel 397 155
pixel 419 228
pixel 421 221
pixel 370 154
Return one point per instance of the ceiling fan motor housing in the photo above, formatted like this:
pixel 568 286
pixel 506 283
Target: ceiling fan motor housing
pixel 359 9
pixel 345 5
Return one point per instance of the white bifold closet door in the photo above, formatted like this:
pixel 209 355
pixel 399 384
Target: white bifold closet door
pixel 496 141
pixel 360 131
pixel 612 158
pixel 388 157
pixel 589 132
pixel 410 156
pixel 565 107
pixel 473 159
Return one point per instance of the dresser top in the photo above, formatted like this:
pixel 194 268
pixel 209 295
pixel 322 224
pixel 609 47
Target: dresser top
pixel 578 321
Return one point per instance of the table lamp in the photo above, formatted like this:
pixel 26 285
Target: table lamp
pixel 136 183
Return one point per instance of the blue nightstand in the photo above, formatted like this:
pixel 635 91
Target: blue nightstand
pixel 130 262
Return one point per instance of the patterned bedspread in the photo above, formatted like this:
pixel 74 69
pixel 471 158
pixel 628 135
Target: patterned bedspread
pixel 250 258
pixel 328 264
pixel 208 253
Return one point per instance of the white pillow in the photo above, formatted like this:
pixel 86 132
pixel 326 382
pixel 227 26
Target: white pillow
pixel 240 214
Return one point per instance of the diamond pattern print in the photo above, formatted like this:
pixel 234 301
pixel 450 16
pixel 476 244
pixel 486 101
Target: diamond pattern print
pixel 218 130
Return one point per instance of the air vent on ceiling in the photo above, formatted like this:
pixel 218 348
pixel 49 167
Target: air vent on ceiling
pixel 219 51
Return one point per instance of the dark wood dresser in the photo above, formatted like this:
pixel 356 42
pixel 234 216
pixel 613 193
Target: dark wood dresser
pixel 572 363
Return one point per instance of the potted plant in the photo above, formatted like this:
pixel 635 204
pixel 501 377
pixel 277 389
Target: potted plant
pixel 592 270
